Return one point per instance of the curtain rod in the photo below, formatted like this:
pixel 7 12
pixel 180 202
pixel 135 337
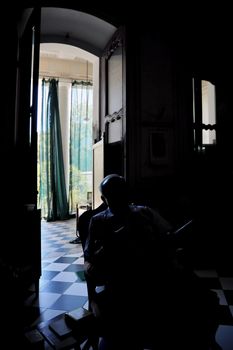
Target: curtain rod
pixel 65 80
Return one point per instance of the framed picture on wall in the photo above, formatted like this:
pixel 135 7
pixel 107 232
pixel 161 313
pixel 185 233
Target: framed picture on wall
pixel 160 146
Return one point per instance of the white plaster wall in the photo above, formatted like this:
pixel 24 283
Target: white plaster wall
pixel 66 68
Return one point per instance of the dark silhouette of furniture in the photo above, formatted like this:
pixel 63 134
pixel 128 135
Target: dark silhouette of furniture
pixel 22 266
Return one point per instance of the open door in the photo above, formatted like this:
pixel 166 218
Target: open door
pixel 25 257
pixel 26 103
pixel 112 109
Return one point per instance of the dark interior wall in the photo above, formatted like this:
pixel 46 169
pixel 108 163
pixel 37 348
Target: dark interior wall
pixel 159 120
pixel 7 128
pixel 160 67
pixel 9 43
pixel 224 113
pixel 113 157
pixel 157 114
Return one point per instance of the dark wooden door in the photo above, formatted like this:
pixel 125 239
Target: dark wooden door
pixel 26 103
pixel 113 103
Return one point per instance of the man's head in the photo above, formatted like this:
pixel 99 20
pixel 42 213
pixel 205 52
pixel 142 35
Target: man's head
pixel 114 191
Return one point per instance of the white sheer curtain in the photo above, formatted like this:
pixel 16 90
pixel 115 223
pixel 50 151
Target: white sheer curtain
pixel 81 117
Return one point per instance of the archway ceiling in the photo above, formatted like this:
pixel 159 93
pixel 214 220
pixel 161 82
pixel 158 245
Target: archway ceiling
pixel 75 28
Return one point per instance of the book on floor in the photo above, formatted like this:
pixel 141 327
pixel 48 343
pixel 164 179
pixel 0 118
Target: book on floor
pixel 60 328
pixel 34 337
pixel 78 315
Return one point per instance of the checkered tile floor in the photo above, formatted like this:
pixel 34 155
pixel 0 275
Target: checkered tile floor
pixel 63 287
pixel 62 284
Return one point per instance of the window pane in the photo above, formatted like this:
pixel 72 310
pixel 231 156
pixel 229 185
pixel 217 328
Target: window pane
pixel 208 137
pixel 208 103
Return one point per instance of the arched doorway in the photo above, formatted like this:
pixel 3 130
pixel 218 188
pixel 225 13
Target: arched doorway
pixel 88 32
pixel 74 31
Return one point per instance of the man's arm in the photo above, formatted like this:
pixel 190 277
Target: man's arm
pixel 94 254
pixel 89 244
pixel 162 225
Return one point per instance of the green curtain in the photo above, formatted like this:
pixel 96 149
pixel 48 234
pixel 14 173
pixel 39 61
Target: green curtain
pixel 52 188
pixel 80 175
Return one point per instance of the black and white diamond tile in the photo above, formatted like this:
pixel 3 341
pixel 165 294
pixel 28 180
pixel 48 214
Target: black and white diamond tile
pixel 63 287
pixel 62 284
pixel 223 286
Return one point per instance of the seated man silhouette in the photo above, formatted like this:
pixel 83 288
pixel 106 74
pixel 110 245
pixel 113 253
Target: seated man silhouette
pixel 118 252
pixel 128 251
pixel 121 228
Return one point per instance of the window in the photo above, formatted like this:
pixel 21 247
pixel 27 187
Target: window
pixel 204 114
